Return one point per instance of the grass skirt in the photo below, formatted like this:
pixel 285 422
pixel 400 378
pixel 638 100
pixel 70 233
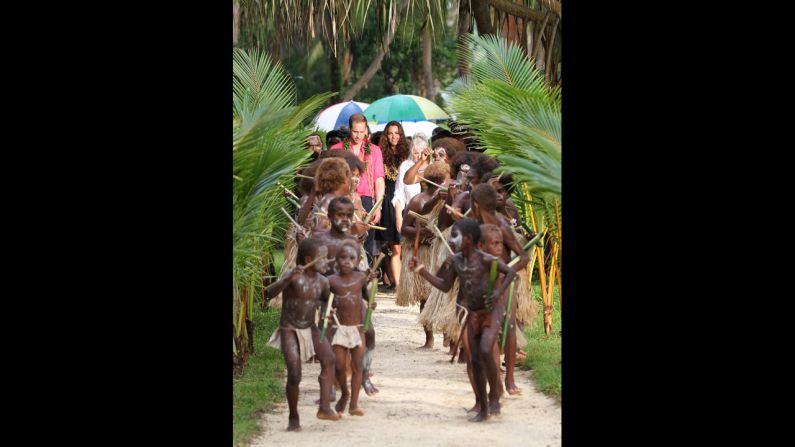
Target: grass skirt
pixel 412 288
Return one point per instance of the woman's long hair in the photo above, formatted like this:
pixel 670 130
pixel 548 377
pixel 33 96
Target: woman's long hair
pixel 394 157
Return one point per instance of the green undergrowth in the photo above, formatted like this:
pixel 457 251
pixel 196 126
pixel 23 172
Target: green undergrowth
pixel 262 383
pixel 544 351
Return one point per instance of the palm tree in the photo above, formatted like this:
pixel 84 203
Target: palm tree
pixel 268 133
pixel 516 116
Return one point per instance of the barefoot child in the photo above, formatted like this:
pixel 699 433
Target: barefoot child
pixel 348 287
pixel 484 206
pixel 298 337
pixel 340 214
pixel 472 267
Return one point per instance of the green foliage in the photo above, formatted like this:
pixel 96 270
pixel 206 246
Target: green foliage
pixel 262 383
pixel 268 133
pixel 515 116
pixel 544 355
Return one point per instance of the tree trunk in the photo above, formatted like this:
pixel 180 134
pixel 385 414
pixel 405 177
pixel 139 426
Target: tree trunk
pixel 549 67
pixel 464 21
pixel 235 23
pixel 537 42
pixel 347 64
pixel 427 68
pixel 480 9
pixel 375 65
pixel 334 77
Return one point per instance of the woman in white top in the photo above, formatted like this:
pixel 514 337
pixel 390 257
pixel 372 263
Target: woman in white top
pixel 403 192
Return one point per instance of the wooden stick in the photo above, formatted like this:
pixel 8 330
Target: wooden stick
pixel 294 222
pixel 441 236
pixel 306 266
pixel 455 211
pixel 443 188
pixel 419 216
pixel 304 176
pixel 290 192
pixel 460 333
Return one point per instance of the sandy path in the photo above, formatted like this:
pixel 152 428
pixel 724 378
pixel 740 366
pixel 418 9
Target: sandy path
pixel 422 400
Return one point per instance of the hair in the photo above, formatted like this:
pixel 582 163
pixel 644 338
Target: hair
pixel 352 160
pixel 450 145
pixel 462 158
pixel 330 174
pixel 437 171
pixel 440 132
pixel 375 138
pixel 394 157
pixel 336 201
pixel 305 185
pixel 485 196
pixel 313 134
pixel 349 243
pixel 419 139
pixel 489 231
pixel 357 118
pixel 485 164
pixel 469 227
pixel 333 137
pixel 506 180
pixel 307 247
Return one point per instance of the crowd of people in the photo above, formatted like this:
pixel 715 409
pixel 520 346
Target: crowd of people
pixel 433 220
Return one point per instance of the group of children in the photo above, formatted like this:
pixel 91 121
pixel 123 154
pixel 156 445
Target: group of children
pixel 458 234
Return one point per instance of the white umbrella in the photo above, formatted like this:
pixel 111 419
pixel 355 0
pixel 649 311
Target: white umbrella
pixel 330 119
pixel 410 127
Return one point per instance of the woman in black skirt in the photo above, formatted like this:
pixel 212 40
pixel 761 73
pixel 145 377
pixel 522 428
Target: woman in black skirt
pixel 395 149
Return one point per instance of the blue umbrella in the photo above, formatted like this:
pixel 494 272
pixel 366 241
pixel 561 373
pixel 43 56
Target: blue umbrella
pixel 337 115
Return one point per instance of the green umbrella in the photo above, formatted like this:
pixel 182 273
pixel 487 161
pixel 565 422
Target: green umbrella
pixel 403 108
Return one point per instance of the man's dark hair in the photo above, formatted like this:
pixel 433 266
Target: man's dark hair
pixel 307 247
pixel 375 137
pixel 470 227
pixel 485 164
pixel 485 196
pixel 352 160
pixel 440 132
pixel 333 137
pixel 332 207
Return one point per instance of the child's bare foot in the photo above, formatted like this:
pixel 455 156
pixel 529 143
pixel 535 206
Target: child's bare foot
pixel 328 415
pixel 480 417
pixel 446 341
pixel 512 389
pixel 369 388
pixel 294 425
pixel 475 408
pixel 494 407
pixel 355 412
pixel 340 407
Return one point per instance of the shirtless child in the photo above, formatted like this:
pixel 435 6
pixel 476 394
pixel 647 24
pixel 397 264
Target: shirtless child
pixel 484 206
pixel 472 267
pixel 340 213
pixel 347 286
pixel 298 337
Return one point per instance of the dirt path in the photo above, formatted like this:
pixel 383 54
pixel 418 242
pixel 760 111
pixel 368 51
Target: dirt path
pixel 422 400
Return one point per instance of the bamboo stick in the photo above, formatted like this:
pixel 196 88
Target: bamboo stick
pixel 374 208
pixel 373 288
pixel 304 176
pixel 325 317
pixel 507 315
pixel 419 216
pixel 455 211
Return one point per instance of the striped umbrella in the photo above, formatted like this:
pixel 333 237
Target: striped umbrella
pixel 403 108
pixel 333 117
